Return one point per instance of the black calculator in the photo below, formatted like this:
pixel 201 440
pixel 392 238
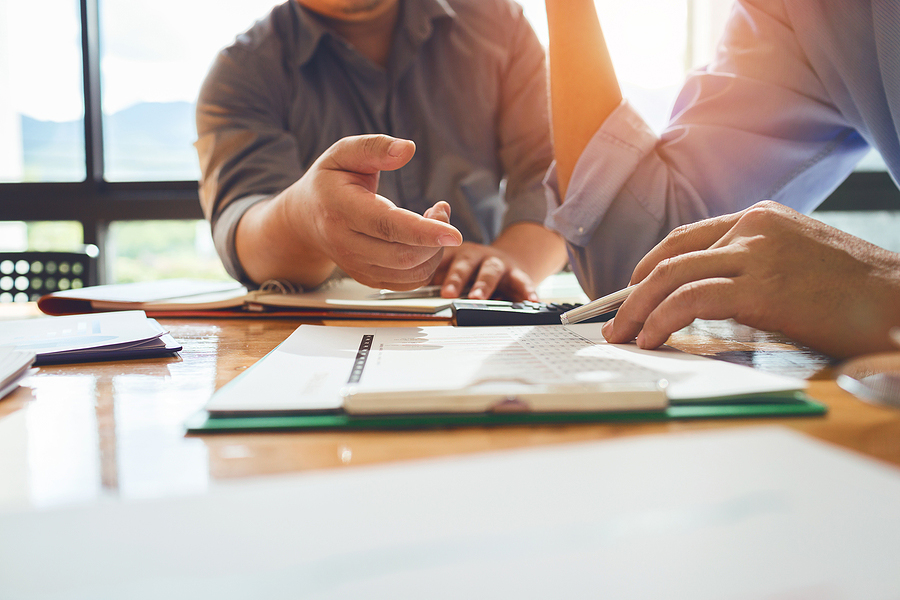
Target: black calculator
pixel 493 312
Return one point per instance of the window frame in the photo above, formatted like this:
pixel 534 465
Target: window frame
pixel 95 202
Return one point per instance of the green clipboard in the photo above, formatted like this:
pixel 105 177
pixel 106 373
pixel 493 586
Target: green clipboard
pixel 788 404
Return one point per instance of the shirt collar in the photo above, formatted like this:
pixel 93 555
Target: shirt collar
pixel 417 19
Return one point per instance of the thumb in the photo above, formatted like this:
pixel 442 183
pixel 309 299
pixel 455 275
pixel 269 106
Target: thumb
pixel 368 154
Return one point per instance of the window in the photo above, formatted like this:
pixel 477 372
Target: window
pixel 649 72
pixel 97 126
pixel 41 107
pixel 151 76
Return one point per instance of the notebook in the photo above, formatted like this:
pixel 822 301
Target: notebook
pixel 189 297
pixel 87 338
pixel 338 298
pixel 424 376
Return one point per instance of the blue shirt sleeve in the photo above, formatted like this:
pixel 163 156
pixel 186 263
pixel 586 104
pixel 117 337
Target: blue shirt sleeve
pixel 756 124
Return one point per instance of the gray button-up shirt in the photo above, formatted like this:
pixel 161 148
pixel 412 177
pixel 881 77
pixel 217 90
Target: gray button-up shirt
pixel 466 80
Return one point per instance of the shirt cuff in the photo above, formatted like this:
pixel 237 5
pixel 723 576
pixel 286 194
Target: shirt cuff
pixel 528 207
pixel 224 231
pixel 604 167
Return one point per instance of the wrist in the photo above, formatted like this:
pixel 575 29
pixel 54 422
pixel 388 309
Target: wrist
pixel 272 244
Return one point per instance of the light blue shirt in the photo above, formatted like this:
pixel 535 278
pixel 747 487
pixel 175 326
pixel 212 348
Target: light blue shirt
pixel 798 93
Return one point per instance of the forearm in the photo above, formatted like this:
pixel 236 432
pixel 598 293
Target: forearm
pixel 269 248
pixel 537 250
pixel 583 85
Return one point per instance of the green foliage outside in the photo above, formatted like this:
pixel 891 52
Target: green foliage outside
pixel 55 236
pixel 150 250
pixel 140 250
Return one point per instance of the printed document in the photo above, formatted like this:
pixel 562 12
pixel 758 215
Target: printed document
pixel 311 368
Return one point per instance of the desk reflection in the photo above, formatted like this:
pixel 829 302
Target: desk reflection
pixel 76 433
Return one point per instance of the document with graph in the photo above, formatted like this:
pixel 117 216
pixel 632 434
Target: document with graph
pixel 415 370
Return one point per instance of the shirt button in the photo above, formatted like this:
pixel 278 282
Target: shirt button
pixel 581 230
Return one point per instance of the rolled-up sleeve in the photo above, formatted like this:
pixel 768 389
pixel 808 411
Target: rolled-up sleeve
pixel 756 124
pixel 247 155
pixel 523 124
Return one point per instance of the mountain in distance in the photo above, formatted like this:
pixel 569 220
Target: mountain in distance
pixel 149 141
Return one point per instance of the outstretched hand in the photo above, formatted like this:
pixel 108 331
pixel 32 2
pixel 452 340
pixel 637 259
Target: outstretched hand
pixel 771 268
pixel 335 212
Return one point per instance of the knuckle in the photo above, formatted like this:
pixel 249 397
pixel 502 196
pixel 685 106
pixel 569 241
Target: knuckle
pixel 462 266
pixel 677 236
pixel 407 257
pixel 680 231
pixel 493 264
pixel 455 277
pixel 665 269
pixel 676 239
pixel 761 212
pixel 385 228
pixel 689 295
pixel 767 205
pixel 370 146
pixel 343 146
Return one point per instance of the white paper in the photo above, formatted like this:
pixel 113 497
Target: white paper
pixel 728 515
pixel 74 334
pixel 14 365
pixel 309 370
pixel 184 290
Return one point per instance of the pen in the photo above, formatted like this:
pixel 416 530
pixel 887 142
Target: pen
pixel 428 291
pixel 596 307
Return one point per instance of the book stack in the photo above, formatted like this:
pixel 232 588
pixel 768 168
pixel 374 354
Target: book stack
pixel 88 338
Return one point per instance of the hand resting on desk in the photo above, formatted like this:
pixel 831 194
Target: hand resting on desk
pixel 493 270
pixel 771 268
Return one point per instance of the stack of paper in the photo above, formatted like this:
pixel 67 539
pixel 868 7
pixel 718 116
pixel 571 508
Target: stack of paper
pixel 87 338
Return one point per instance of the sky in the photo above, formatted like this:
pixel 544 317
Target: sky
pixel 152 51
pixel 160 51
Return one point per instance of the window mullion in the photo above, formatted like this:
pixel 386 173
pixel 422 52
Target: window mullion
pixel 93 123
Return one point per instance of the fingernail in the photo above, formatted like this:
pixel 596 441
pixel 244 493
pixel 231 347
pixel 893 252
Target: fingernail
pixel 533 297
pixel 477 293
pixel 396 148
pixel 448 240
pixel 450 291
pixel 607 328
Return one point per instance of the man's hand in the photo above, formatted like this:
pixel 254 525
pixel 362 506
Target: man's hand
pixel 487 269
pixel 332 216
pixel 521 257
pixel 771 268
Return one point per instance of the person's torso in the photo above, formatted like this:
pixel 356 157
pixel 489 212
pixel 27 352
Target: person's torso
pixel 442 89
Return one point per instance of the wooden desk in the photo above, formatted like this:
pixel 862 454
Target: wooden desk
pixel 82 431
